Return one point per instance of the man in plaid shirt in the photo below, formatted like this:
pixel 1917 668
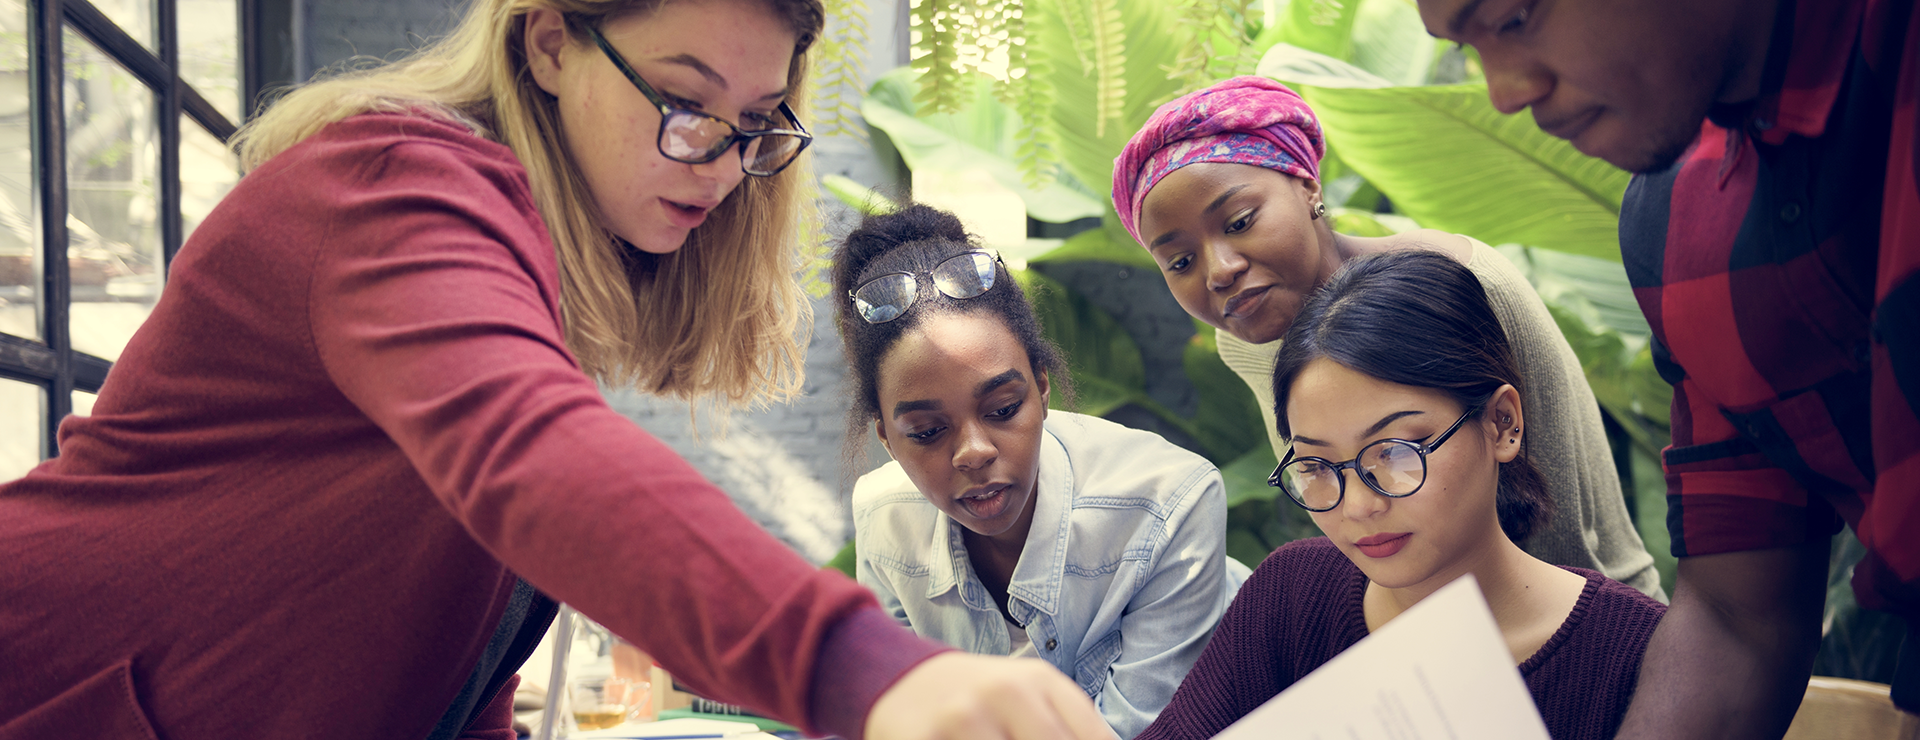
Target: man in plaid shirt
pixel 1772 236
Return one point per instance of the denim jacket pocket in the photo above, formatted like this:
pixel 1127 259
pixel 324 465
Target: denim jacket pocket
pixel 1090 671
pixel 102 707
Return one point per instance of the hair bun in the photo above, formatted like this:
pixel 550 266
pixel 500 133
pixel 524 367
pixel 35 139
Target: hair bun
pixel 883 233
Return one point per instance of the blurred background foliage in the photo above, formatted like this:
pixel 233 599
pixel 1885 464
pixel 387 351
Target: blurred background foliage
pixel 1031 101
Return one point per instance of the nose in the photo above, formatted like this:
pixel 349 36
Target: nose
pixel 1515 82
pixel 1224 264
pixel 973 449
pixel 1361 501
pixel 725 170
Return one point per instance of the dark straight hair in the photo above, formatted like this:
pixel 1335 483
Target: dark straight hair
pixel 1418 318
pixel 915 239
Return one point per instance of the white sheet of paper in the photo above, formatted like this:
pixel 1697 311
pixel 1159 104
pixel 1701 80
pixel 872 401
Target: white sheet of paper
pixel 1439 671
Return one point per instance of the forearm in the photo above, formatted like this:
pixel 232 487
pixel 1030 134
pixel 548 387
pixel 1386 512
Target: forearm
pixel 1732 656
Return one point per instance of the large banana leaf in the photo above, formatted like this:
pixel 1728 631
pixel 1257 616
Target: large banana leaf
pixel 1390 41
pixel 1152 36
pixel 1447 159
pixel 1323 26
pixel 980 136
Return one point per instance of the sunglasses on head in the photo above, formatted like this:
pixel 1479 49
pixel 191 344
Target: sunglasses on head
pixel 886 297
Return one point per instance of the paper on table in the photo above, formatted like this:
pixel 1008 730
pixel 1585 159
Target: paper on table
pixel 1439 671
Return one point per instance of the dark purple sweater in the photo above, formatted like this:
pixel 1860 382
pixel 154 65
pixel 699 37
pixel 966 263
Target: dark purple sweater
pixel 1303 606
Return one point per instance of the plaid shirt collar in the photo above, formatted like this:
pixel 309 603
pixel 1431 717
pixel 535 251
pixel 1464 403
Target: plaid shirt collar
pixel 1806 60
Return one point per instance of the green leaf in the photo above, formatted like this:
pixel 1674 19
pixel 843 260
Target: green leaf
pixel 1366 223
pixel 1102 359
pixel 1098 245
pixel 1154 37
pixel 1390 41
pixel 1323 26
pixel 1600 283
pixel 1447 159
pixel 1246 478
pixel 980 136
pixel 844 560
pixel 864 199
pixel 1228 422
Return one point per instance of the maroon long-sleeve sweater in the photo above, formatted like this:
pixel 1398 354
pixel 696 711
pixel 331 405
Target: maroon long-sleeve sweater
pixel 1304 605
pixel 301 501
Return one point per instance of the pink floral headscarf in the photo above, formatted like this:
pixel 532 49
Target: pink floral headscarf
pixel 1243 120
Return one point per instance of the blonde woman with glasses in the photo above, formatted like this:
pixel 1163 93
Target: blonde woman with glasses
pixel 337 482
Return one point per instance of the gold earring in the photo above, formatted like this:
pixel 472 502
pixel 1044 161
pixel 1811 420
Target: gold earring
pixel 1319 209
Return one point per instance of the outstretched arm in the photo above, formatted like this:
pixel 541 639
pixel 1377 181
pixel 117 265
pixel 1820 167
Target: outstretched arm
pixel 1732 656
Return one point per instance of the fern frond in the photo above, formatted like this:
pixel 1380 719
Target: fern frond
pixel 936 56
pixel 1109 62
pixel 841 68
pixel 1031 96
pixel 1076 19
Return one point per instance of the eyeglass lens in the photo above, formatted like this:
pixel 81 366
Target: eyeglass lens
pixel 886 297
pixel 689 136
pixel 1395 467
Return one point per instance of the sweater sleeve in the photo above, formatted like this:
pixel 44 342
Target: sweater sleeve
pixel 429 313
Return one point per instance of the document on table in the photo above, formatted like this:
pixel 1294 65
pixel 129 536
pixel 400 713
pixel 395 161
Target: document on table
pixel 1439 671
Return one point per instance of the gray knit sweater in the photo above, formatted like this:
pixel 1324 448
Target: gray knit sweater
pixel 1564 438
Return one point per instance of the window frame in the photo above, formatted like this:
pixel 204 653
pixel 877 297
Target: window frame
pixel 51 362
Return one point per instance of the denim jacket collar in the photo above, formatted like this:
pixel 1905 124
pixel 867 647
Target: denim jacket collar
pixel 1036 583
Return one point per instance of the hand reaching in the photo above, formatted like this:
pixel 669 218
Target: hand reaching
pixel 956 696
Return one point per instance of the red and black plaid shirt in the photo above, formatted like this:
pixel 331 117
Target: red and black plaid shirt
pixel 1776 263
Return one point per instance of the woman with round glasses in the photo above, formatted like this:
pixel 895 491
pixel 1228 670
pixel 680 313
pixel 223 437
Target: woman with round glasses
pixel 1400 392
pixel 342 475
pixel 1001 527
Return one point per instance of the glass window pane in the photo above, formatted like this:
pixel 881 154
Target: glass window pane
pixel 113 234
pixel 23 414
pixel 210 52
pixel 19 216
pixel 83 403
pixel 208 169
pixel 133 16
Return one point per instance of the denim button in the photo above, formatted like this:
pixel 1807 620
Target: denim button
pixel 1790 212
pixel 1051 644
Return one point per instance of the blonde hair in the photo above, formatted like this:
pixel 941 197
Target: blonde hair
pixel 718 318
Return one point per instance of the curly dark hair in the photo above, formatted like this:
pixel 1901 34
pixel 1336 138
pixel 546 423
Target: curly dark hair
pixel 915 239
pixel 1363 318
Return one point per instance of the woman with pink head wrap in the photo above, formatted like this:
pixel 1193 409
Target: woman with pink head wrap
pixel 1222 188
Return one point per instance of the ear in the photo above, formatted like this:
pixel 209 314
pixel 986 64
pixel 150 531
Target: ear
pixel 1311 191
pixel 880 433
pixel 1506 423
pixel 546 40
pixel 1040 379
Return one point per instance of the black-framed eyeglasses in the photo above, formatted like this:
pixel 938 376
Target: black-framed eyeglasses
pixel 887 297
pixel 692 137
pixel 1395 468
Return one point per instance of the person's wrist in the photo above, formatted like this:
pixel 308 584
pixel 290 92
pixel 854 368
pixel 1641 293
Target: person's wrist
pixel 860 658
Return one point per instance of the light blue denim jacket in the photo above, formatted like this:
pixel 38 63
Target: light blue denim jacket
pixel 1122 579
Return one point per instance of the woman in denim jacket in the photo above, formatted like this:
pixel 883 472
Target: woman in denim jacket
pixel 1002 527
